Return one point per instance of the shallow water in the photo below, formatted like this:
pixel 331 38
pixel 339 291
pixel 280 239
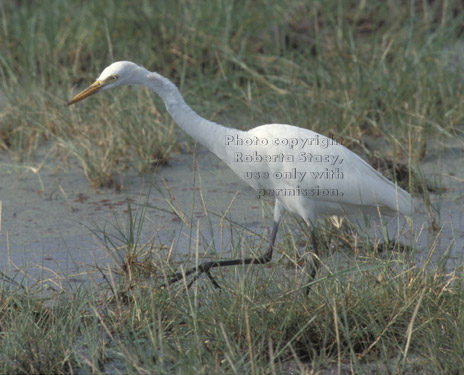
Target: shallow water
pixel 49 214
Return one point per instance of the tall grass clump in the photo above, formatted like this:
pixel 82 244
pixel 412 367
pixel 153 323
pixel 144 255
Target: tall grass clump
pixel 374 316
pixel 351 69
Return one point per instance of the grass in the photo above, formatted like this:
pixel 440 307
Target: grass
pixel 377 312
pixel 385 71
pixel 350 69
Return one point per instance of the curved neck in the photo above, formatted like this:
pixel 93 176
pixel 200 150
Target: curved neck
pixel 208 133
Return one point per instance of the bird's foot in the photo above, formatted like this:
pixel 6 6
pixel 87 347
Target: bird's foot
pixel 210 277
pixel 196 272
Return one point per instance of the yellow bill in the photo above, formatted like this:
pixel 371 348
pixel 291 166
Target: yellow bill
pixel 92 89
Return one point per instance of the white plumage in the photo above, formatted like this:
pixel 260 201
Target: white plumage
pixel 309 174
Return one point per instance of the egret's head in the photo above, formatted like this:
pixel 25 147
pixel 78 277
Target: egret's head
pixel 117 74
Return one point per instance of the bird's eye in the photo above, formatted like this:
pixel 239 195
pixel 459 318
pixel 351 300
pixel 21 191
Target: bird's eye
pixel 111 78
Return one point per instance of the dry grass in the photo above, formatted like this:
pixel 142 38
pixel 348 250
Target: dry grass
pixel 348 69
pixel 374 312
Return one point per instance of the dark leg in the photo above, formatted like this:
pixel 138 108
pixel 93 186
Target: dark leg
pixel 316 261
pixel 206 267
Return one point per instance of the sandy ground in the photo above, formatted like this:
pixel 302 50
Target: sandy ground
pixel 49 211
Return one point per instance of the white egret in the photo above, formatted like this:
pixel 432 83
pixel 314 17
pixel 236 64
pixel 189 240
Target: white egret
pixel 309 174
